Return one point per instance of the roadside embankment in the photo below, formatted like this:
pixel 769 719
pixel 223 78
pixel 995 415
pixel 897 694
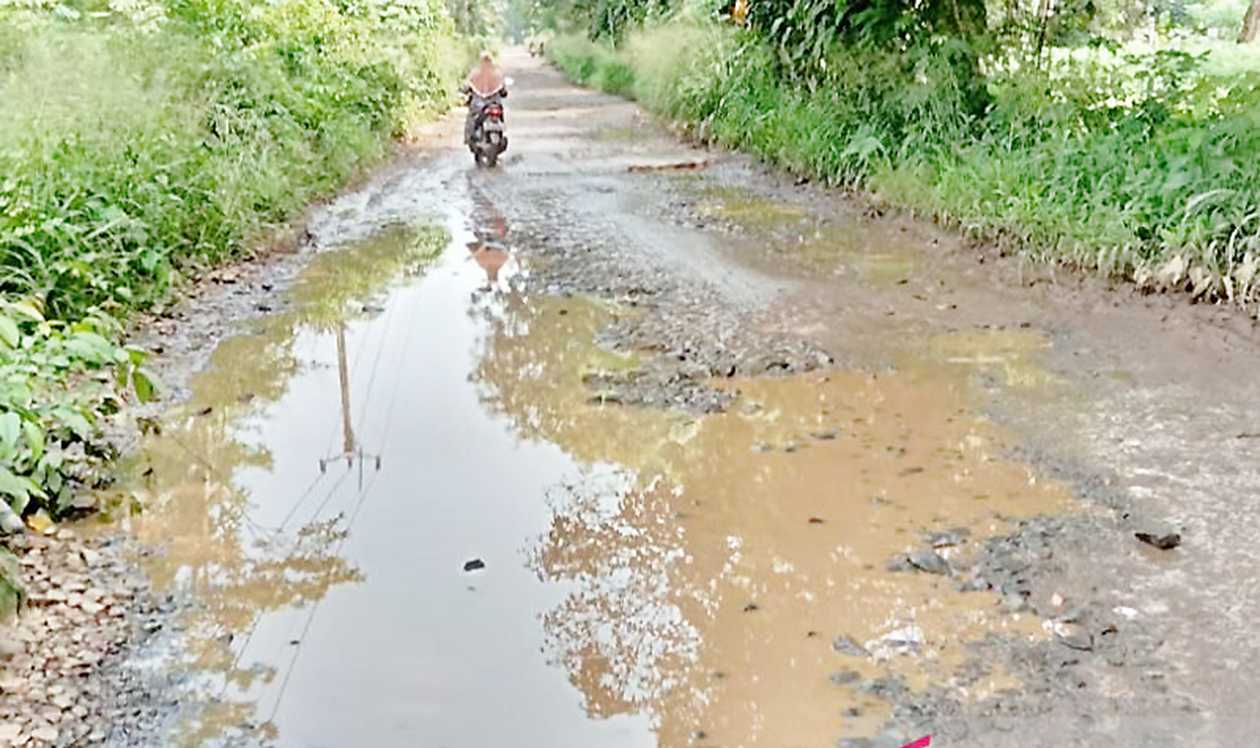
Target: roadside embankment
pixel 1143 167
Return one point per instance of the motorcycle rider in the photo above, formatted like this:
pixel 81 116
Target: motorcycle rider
pixel 484 85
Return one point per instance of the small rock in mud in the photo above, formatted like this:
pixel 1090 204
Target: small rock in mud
pixel 825 434
pixel 750 607
pixel 1014 602
pixel 845 677
pixel 929 561
pixel 889 687
pixel 948 538
pixel 1164 542
pixel 847 645
pixel 816 520
pixel 904 640
pixel 1074 636
pixel 474 565
pixel 900 562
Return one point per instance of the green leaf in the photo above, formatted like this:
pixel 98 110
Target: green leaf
pixel 10 428
pixel 15 488
pixel 9 332
pixel 75 421
pixel 34 438
pixel 143 385
pixel 26 309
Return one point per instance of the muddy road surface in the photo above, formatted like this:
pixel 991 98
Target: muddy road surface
pixel 629 444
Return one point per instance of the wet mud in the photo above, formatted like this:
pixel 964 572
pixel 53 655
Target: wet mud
pixel 583 451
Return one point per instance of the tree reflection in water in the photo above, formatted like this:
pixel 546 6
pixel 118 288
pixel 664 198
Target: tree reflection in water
pixel 198 509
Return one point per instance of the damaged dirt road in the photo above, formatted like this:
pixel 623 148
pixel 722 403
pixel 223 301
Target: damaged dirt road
pixel 586 452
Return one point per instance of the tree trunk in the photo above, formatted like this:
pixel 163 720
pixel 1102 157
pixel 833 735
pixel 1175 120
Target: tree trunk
pixel 1251 24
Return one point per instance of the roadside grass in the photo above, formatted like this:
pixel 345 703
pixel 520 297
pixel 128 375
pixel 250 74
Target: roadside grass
pixel 1143 165
pixel 142 143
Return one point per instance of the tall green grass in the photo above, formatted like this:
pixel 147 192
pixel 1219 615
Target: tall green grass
pixel 132 153
pixel 1145 167
pixel 147 140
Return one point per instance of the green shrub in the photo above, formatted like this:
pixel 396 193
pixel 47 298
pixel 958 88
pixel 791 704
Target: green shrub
pixel 56 381
pixel 144 141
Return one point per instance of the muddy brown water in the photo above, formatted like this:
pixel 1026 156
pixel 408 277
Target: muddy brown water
pixel 647 577
pixel 650 578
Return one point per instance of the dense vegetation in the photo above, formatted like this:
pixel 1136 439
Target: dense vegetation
pixel 1105 135
pixel 142 141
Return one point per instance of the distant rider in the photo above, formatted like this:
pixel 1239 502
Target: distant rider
pixel 484 86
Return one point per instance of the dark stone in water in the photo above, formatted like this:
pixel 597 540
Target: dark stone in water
pixel 474 565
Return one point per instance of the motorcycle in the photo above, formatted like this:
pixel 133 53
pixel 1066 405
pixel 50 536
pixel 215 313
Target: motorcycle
pixel 486 137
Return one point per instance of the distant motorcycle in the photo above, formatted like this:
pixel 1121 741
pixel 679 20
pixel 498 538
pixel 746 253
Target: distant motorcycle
pixel 484 129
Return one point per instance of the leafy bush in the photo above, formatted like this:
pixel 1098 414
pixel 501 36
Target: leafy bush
pixel 56 380
pixel 143 141
pixel 141 153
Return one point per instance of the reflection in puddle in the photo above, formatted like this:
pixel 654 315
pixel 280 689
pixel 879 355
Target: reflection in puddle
pixel 714 573
pixel 1008 355
pixel 651 578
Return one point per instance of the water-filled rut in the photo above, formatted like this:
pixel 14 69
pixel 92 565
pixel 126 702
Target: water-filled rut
pixel 412 510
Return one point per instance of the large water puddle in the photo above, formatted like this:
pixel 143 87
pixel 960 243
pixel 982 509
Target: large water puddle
pixel 409 519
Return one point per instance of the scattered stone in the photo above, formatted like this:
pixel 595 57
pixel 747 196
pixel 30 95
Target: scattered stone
pixel 900 562
pixel 750 607
pixel 845 677
pixel 847 645
pixel 1014 602
pixel 889 687
pixel 929 562
pixel 905 640
pixel 1074 636
pixel 47 734
pixel 816 520
pixel 825 434
pixel 1164 542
